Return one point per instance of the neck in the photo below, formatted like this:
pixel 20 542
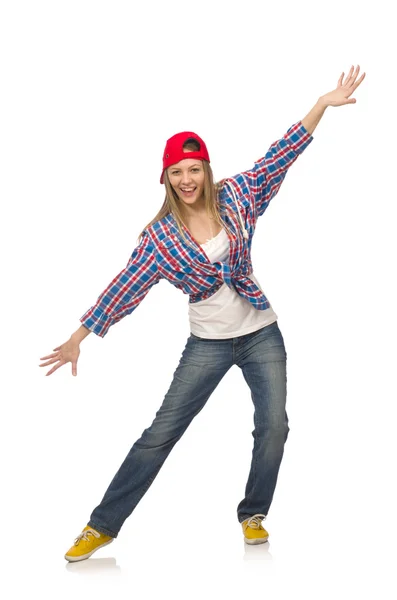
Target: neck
pixel 193 212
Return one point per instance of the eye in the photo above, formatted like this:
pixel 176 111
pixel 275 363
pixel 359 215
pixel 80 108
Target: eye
pixel 196 169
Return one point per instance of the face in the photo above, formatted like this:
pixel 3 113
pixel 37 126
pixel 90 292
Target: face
pixel 187 179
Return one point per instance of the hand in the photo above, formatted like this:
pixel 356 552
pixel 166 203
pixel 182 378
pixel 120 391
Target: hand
pixel 344 89
pixel 68 352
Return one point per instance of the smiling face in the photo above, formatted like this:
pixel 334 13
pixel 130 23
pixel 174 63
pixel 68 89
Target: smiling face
pixel 187 179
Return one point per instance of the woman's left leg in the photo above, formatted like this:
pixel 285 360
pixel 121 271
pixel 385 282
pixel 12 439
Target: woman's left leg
pixel 262 358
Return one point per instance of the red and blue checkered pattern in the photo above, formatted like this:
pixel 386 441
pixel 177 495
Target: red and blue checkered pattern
pixel 163 254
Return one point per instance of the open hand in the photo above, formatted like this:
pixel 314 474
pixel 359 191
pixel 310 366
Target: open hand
pixel 67 352
pixel 341 95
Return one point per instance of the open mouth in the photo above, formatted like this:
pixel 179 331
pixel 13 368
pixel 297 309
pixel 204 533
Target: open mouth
pixel 187 191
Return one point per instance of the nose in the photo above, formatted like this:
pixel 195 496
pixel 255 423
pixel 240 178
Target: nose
pixel 186 178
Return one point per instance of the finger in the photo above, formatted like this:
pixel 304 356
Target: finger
pixel 354 76
pixel 61 363
pixel 50 362
pixel 53 370
pixel 355 85
pixel 340 80
pixel 49 356
pixel 349 75
pixel 358 82
pixel 74 368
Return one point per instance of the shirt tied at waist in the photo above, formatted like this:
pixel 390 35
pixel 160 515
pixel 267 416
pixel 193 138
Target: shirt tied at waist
pixel 242 284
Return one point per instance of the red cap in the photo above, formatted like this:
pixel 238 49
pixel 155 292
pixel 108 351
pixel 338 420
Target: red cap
pixel 173 152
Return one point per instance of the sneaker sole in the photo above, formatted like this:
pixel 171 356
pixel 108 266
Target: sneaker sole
pixel 256 540
pixel 84 556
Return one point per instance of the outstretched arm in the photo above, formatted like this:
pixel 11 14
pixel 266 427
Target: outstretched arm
pixel 121 297
pixel 265 178
pixel 127 290
pixel 338 97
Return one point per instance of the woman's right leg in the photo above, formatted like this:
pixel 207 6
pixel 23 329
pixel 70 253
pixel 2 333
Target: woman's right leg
pixel 202 365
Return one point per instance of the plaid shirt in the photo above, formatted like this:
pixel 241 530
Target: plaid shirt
pixel 163 254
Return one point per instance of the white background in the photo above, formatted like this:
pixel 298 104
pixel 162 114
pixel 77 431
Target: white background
pixel 90 91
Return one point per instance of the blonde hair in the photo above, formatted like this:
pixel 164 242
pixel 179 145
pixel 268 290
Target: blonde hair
pixel 171 203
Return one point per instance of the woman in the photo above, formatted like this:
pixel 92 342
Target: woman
pixel 200 241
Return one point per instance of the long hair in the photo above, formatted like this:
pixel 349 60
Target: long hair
pixel 172 202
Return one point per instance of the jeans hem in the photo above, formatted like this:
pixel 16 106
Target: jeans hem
pixel 245 518
pixel 102 529
pixel 241 519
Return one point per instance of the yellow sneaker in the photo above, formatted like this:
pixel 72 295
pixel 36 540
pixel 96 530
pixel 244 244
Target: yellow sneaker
pixel 253 531
pixel 86 543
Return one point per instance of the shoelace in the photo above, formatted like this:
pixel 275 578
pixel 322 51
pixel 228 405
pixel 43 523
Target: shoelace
pixel 84 536
pixel 255 521
pixel 245 232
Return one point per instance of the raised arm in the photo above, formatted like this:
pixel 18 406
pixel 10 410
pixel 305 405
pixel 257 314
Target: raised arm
pixel 265 178
pixel 338 97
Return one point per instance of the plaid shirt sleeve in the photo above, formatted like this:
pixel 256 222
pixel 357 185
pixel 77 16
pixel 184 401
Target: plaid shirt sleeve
pixel 126 291
pixel 265 179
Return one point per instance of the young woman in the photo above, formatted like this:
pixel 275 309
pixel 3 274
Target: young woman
pixel 200 241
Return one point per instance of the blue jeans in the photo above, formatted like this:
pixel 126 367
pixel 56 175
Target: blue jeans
pixel 262 358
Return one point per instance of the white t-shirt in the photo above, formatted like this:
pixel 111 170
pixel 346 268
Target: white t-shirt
pixel 225 314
